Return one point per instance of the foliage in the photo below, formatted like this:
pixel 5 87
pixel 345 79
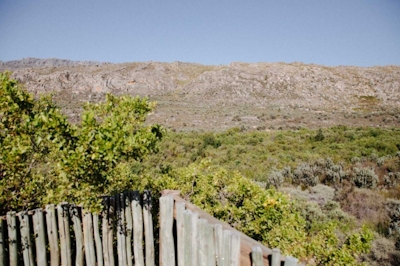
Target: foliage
pixel 365 177
pixel 257 153
pixel 46 159
pixel 263 214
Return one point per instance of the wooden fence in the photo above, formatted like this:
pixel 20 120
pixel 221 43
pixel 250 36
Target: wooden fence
pixel 122 234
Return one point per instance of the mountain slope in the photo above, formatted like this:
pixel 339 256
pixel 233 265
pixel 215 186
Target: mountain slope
pixel 257 95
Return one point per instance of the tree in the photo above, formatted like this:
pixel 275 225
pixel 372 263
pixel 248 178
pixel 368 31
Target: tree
pixel 44 158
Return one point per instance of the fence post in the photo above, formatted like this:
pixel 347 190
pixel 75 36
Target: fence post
pixel 180 208
pixel 167 250
pixel 121 240
pixel 88 239
pixel 40 241
pixel 276 257
pixel 77 225
pixel 194 236
pixel 2 243
pixel 219 247
pixel 227 247
pixel 290 261
pixel 137 229
pixel 187 237
pixel 235 252
pixel 110 237
pixel 65 240
pixel 105 231
pixel 148 228
pixel 52 235
pixel 129 227
pixel 256 256
pixel 12 238
pixel 209 243
pixel 97 239
pixel 26 242
pixel 202 251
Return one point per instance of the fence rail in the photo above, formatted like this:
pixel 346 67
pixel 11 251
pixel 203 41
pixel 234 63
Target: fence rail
pixel 123 234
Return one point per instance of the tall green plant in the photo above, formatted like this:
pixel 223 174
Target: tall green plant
pixel 43 158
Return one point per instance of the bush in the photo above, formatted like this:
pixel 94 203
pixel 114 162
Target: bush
pixel 364 177
pixel 368 207
pixel 275 179
pixel 306 175
pixel 45 159
pixel 263 214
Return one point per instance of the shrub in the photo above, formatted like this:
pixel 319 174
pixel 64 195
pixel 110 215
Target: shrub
pixel 393 208
pixel 383 252
pixel 334 173
pixel 368 207
pixel 306 175
pixel 391 180
pixel 320 136
pixel 364 177
pixel 45 159
pixel 275 178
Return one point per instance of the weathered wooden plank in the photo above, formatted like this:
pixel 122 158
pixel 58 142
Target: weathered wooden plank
pixel 209 244
pixel 90 256
pixel 148 228
pixel 12 238
pixel 137 229
pixel 65 239
pixel 26 242
pixel 187 237
pixel 97 239
pixel 52 235
pixel 121 245
pixel 40 237
pixel 129 227
pixel 235 250
pixel 79 246
pixel 227 244
pixel 105 217
pixel 110 237
pixel 202 251
pixel 246 242
pixel 179 209
pixel 256 256
pixel 290 261
pixel 167 250
pixel 194 218
pixel 219 247
pixel 2 243
pixel 276 257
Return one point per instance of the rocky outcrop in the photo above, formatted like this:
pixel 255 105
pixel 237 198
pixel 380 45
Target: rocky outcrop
pixel 268 86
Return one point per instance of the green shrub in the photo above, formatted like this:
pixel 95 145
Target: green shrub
pixel 45 159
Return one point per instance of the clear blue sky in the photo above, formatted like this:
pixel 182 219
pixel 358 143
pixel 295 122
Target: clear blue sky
pixel 334 32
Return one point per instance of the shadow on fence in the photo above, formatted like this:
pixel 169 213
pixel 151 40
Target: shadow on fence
pixel 123 234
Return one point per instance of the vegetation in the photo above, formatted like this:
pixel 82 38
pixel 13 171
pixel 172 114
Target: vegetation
pixel 46 159
pixel 320 195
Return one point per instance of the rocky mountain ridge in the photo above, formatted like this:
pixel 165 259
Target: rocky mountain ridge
pixel 253 95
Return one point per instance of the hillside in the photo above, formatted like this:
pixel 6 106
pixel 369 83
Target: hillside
pixel 199 97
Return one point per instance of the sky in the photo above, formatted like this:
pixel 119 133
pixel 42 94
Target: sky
pixel 335 32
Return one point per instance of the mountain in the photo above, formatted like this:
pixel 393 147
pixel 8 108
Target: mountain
pixel 248 95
